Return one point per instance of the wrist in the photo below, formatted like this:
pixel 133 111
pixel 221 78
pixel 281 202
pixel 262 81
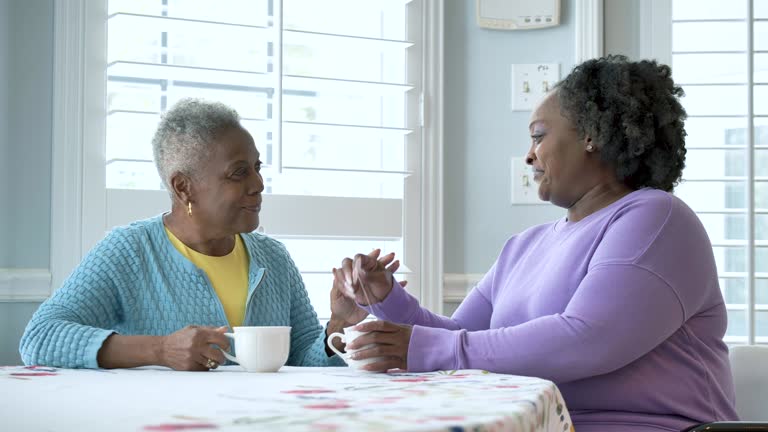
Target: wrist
pixel 157 350
pixel 337 324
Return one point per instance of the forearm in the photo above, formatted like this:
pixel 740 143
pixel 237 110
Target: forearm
pixel 70 328
pixel 402 308
pixel 602 329
pixel 54 338
pixel 120 351
pixel 552 347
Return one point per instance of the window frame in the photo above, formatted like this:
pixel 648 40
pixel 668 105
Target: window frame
pixel 79 194
pixel 656 42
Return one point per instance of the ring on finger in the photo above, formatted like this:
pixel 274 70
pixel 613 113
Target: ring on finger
pixel 211 364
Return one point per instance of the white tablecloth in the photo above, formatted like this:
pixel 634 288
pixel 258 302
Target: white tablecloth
pixel 294 399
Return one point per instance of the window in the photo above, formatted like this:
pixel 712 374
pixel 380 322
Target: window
pixel 333 103
pixel 719 54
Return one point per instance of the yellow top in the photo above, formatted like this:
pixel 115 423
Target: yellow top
pixel 228 275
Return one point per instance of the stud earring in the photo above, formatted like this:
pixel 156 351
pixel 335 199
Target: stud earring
pixel 189 208
pixel 590 148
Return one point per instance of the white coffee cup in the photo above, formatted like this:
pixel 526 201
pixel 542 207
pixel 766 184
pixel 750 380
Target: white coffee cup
pixel 349 335
pixel 260 349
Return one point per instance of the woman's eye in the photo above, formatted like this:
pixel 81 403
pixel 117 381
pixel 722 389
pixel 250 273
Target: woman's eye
pixel 239 173
pixel 537 138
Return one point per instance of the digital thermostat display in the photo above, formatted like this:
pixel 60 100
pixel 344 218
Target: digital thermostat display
pixel 518 14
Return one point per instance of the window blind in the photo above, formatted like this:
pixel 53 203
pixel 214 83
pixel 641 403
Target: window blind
pixel 720 58
pixel 330 91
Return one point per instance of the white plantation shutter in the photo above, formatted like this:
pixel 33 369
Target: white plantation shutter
pixel 719 55
pixel 330 90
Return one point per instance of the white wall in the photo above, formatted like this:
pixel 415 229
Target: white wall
pixel 4 156
pixel 13 319
pixel 26 97
pixel 30 120
pixel 482 133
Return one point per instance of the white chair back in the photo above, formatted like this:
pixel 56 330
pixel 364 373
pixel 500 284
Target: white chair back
pixel 749 364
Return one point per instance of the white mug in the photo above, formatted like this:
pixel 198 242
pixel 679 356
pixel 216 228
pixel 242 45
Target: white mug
pixel 349 335
pixel 260 349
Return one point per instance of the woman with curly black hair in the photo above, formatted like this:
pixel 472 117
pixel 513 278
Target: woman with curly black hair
pixel 618 302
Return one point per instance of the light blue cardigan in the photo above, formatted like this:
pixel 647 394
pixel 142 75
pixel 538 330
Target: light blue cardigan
pixel 135 282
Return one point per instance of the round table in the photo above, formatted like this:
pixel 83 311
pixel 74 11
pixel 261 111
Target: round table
pixel 293 399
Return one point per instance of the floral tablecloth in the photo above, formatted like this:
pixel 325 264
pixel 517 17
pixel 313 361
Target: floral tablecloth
pixel 294 399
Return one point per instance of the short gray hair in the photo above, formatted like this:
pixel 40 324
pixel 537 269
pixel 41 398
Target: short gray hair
pixel 185 135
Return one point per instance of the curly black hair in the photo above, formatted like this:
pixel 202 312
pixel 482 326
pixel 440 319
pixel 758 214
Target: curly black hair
pixel 632 112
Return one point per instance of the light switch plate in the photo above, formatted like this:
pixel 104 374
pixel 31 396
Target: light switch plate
pixel 524 189
pixel 530 82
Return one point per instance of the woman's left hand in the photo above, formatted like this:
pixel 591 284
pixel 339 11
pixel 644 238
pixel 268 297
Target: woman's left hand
pixel 390 341
pixel 344 308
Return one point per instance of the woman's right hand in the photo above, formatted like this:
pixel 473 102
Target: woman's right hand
pixel 190 348
pixel 368 278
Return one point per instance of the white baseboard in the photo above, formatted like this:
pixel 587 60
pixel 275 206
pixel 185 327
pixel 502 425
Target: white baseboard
pixel 24 285
pixel 30 285
pixel 457 285
pixel 21 285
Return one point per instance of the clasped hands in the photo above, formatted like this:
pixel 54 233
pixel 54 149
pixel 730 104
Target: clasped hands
pixel 367 280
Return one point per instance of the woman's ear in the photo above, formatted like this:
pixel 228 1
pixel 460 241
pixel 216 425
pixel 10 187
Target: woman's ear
pixel 181 186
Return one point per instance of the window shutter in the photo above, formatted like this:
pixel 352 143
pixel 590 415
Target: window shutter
pixel 329 90
pixel 719 57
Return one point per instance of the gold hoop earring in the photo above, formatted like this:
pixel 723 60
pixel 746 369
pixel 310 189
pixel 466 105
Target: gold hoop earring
pixel 189 208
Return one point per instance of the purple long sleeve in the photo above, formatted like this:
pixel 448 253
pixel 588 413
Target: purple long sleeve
pixel 401 307
pixel 622 310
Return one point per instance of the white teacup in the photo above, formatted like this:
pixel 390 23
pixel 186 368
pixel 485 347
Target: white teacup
pixel 260 349
pixel 349 335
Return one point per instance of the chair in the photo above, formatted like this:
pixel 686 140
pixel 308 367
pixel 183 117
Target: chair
pixel 749 364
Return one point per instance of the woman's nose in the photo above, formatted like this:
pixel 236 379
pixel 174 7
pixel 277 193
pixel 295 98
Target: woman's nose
pixel 530 156
pixel 258 184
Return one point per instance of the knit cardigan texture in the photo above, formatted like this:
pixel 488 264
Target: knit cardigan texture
pixel 134 282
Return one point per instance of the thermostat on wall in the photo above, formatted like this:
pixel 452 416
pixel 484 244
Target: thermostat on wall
pixel 518 14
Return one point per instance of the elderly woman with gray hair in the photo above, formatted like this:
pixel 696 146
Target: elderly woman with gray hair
pixel 162 291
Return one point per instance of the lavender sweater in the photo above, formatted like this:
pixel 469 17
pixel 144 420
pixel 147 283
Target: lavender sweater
pixel 622 310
